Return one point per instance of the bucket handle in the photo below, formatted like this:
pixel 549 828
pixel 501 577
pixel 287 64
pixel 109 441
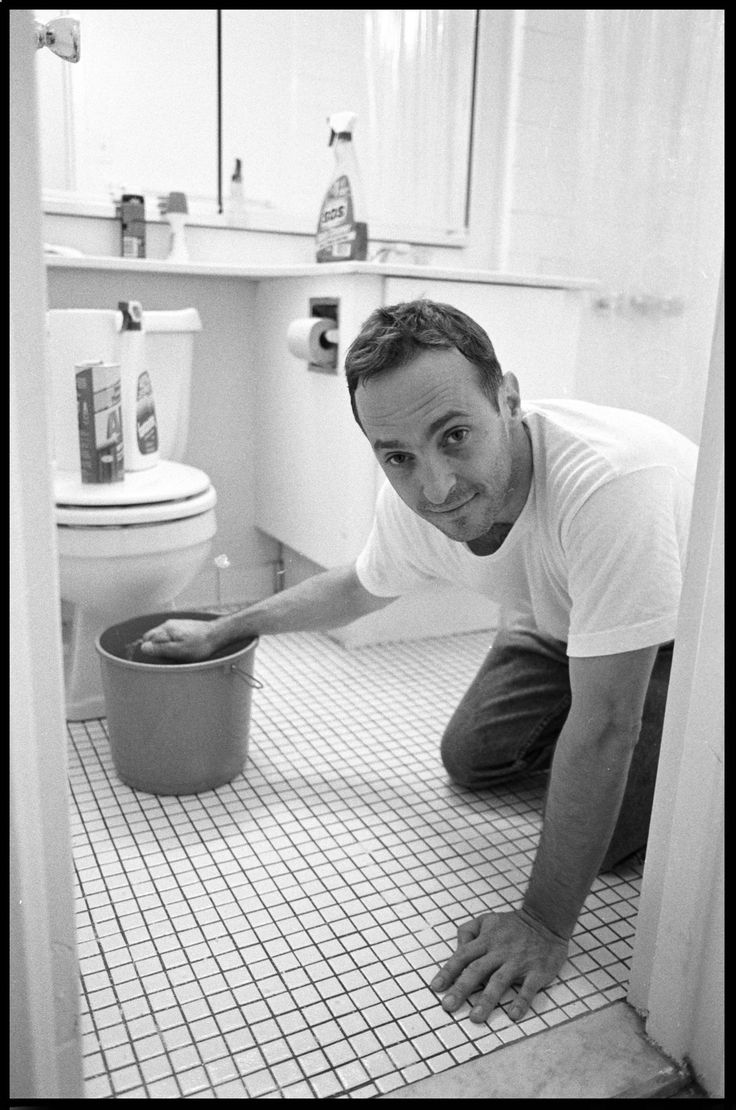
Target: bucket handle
pixel 248 679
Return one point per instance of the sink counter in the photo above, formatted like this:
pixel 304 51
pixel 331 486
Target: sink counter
pixel 313 269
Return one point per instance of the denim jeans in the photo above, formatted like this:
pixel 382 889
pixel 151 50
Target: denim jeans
pixel 508 722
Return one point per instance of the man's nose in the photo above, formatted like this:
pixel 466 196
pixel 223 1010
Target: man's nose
pixel 437 481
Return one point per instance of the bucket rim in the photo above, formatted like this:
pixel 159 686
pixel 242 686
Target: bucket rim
pixel 172 667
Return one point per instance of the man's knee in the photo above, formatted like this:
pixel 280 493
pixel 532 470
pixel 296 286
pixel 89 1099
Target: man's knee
pixel 457 757
pixel 474 760
pixel 466 759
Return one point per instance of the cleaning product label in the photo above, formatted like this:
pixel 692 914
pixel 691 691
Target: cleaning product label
pixel 132 226
pixel 99 415
pixel 338 236
pixel 146 428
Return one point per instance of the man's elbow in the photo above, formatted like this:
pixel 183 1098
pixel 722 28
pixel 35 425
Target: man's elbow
pixel 612 724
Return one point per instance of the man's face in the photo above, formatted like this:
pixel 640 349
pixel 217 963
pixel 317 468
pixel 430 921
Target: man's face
pixel 451 457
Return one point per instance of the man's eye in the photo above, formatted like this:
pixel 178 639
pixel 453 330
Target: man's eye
pixel 398 459
pixel 457 435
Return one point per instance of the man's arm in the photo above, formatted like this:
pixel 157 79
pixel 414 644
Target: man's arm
pixel 591 766
pixel 327 600
pixel 586 786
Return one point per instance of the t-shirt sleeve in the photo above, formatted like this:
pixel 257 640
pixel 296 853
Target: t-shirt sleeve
pixel 391 562
pixel 625 553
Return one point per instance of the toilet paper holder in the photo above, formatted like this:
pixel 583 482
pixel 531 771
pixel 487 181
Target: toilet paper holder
pixel 315 338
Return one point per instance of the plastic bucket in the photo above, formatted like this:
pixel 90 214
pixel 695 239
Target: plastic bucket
pixel 175 728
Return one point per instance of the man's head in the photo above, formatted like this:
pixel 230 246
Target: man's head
pixel 395 335
pixel 443 421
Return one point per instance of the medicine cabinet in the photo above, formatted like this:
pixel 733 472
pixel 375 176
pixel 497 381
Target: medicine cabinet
pixel 166 100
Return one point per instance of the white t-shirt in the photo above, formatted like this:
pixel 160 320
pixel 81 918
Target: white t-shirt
pixel 596 556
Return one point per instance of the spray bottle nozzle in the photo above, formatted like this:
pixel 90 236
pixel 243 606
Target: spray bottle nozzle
pixel 346 136
pixel 341 125
pixel 132 315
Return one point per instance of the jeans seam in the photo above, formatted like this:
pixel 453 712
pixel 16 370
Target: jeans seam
pixel 519 764
pixel 564 703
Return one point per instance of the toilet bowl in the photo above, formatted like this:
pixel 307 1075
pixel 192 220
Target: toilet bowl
pixel 132 546
pixel 121 558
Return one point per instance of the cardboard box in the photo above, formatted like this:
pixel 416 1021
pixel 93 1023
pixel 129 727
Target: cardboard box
pixel 100 419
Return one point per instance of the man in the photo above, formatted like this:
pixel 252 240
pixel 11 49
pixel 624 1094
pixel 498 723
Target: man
pixel 574 518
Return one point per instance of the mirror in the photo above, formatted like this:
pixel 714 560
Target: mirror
pixel 138 113
pixel 166 100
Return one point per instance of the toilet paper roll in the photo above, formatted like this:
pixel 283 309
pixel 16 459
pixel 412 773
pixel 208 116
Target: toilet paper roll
pixel 308 339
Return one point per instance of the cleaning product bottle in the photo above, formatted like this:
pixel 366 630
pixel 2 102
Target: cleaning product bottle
pixel 342 231
pixel 140 431
pixel 132 213
pixel 236 200
pixel 176 211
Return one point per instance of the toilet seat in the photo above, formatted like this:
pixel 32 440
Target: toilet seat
pixel 166 492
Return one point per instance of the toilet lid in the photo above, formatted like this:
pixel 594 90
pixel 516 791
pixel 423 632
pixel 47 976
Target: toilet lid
pixel 167 491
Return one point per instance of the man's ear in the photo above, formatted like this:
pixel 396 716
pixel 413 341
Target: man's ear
pixel 511 392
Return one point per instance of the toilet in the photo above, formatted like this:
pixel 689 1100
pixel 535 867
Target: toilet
pixel 132 546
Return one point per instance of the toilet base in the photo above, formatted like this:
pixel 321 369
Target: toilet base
pixel 85 698
pixel 90 710
pixel 109 574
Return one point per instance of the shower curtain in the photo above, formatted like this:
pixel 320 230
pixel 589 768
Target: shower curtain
pixel 648 218
pixel 650 149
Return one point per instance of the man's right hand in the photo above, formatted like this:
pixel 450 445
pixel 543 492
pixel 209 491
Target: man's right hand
pixel 189 641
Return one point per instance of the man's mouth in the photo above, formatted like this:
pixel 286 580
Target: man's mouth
pixel 448 510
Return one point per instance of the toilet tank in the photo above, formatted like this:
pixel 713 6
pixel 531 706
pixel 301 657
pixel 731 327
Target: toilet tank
pixel 79 334
pixel 169 347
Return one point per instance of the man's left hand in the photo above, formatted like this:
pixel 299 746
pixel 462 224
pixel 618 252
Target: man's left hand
pixel 495 951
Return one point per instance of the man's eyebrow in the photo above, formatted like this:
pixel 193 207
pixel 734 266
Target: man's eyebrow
pixel 396 444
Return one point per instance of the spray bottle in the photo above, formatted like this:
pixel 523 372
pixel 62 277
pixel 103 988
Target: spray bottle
pixel 140 431
pixel 342 231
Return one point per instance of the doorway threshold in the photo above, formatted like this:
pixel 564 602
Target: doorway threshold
pixel 604 1054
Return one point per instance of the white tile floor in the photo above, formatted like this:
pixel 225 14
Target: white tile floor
pixel 274 938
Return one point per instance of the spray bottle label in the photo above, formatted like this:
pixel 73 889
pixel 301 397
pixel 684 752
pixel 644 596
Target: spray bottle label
pixel 146 427
pixel 338 236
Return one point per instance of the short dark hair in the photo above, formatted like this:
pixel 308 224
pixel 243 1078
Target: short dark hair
pixel 393 336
